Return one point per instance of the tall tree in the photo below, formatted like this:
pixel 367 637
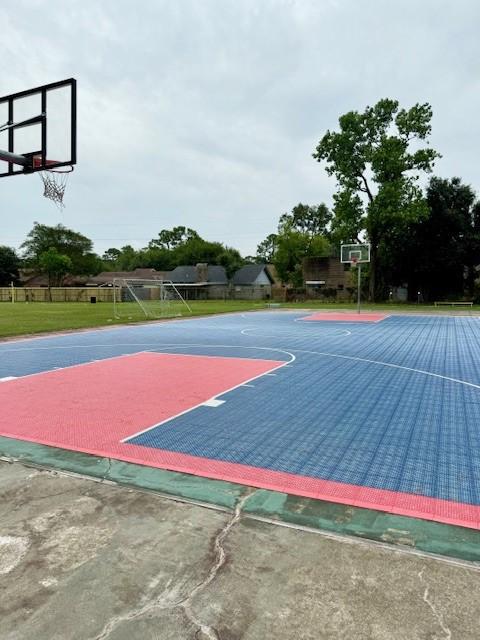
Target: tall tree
pixel 348 214
pixel 172 238
pixel 310 223
pixel 9 266
pixel 129 259
pixel 377 163
pixel 172 248
pixel 65 241
pixel 55 265
pixel 292 247
pixel 196 250
pixel 156 258
pixel 266 249
pixel 231 259
pixel 301 233
pixel 310 220
pixel 442 250
pixel 111 255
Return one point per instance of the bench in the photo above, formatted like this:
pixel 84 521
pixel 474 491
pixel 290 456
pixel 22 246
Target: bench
pixel 462 303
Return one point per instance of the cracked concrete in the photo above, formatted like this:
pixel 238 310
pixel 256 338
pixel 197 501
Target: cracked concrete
pixel 167 599
pixel 208 631
pixel 438 614
pixel 86 560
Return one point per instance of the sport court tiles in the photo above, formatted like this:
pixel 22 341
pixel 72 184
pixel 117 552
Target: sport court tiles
pixel 381 414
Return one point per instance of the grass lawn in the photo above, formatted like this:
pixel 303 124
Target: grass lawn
pixel 37 317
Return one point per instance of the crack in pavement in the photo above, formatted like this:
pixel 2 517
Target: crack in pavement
pixel 438 615
pixel 221 555
pixel 161 602
pixel 169 598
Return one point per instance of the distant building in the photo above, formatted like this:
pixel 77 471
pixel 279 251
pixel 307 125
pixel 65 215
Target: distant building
pixel 201 281
pixel 194 282
pixel 253 282
pixel 107 277
pixel 326 277
pixel 30 278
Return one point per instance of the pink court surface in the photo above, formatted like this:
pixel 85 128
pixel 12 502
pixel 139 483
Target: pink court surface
pixel 95 406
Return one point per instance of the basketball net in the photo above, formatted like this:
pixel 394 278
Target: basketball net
pixel 54 184
pixel 355 262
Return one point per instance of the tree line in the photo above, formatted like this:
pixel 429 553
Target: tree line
pixel 57 251
pixel 427 239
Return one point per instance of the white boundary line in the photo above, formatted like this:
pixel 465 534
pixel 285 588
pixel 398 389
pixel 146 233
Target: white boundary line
pixel 113 345
pixel 151 351
pixel 156 349
pixel 344 332
pixel 200 355
pixel 108 345
pixel 71 366
pixel 168 322
pixel 378 362
pixel 222 393
pixel 162 347
pixel 186 345
pixel 131 325
pixel 391 365
pixel 155 346
pixel 362 322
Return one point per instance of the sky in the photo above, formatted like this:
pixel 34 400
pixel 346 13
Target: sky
pixel 205 113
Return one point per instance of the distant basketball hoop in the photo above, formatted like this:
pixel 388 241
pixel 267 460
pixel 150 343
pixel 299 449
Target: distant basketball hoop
pixel 355 255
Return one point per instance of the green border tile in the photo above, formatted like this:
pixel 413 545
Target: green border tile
pixel 424 535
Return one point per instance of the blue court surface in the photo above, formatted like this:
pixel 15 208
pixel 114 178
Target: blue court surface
pixel 383 415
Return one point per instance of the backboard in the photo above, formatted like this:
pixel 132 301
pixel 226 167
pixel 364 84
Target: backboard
pixel 355 253
pixel 38 129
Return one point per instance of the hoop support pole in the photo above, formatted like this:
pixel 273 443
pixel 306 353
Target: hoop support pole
pixel 8 156
pixel 359 278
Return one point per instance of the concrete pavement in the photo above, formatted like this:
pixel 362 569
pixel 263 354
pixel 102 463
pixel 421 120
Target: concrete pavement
pixel 86 560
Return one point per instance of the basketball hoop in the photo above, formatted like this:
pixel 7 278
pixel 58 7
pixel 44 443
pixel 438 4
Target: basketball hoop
pixel 41 124
pixel 355 255
pixel 54 183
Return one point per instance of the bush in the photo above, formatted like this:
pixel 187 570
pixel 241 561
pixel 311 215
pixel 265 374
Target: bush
pixel 329 292
pixel 476 292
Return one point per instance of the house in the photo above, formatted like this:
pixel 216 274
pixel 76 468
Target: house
pixel 107 277
pixel 253 282
pixel 326 277
pixel 194 282
pixel 31 278
pixel 201 281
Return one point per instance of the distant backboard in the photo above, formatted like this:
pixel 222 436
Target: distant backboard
pixel 38 129
pixel 355 253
